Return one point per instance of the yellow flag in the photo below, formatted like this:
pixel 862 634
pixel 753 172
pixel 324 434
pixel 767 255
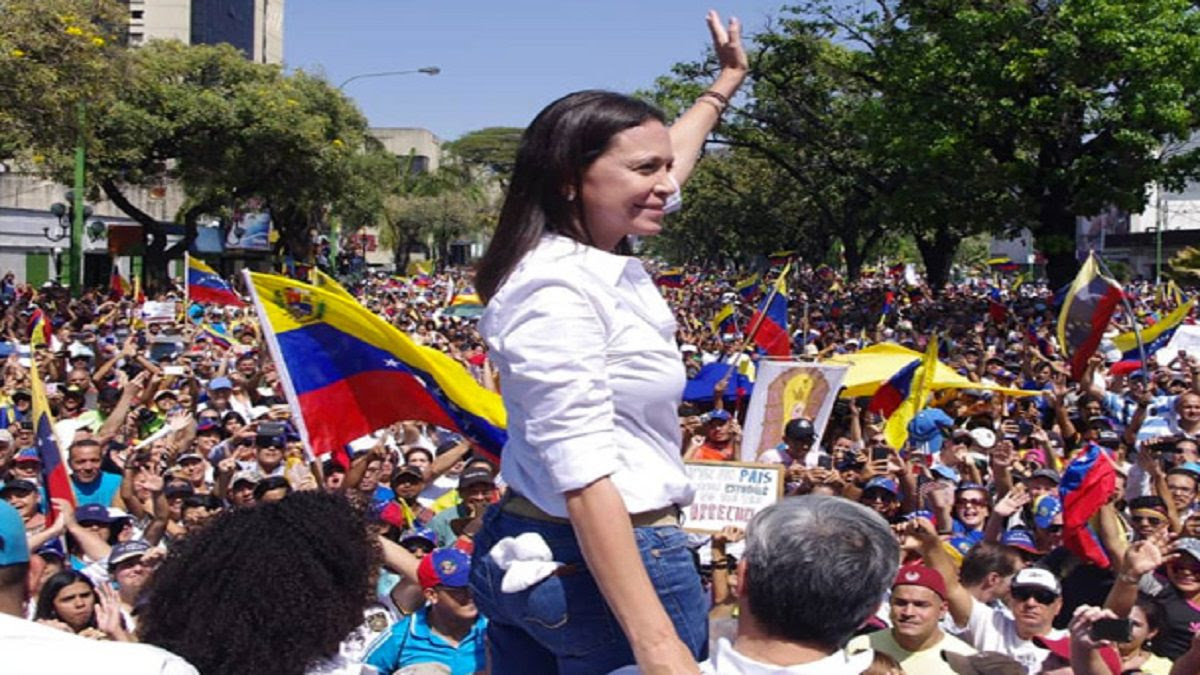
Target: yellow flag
pixel 896 428
pixel 326 282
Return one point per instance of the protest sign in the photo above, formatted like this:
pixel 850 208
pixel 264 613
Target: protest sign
pixel 783 391
pixel 158 312
pixel 1185 339
pixel 730 493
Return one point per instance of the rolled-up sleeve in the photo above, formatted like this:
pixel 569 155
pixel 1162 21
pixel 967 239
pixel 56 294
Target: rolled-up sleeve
pixel 553 373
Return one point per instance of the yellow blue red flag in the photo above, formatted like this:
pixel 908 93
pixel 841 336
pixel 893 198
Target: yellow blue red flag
pixel 323 280
pixel 349 372
pixel 896 428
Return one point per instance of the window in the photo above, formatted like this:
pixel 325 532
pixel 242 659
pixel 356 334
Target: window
pixel 137 14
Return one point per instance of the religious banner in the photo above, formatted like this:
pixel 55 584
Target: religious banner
pixel 783 391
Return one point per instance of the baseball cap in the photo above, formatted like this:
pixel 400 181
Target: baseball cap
pixel 22 393
pixel 921 575
pixel 188 455
pixel 1100 422
pixel 718 415
pixel 1190 468
pixel 53 548
pixel 983 663
pixel 1036 577
pixel 92 513
pixel 14 549
pixel 475 475
pixel 419 532
pixel 410 471
pixel 247 476
pixel 1062 649
pixel 18 485
pixel 983 437
pixel 946 472
pixel 178 490
pixel 72 390
pixel 220 383
pixel 28 455
pixel 1049 474
pixel 968 485
pixel 108 395
pixel 1044 510
pixel 1189 546
pixel 1019 538
pixel 126 550
pixel 444 567
pixel 6 436
pixel 799 429
pixel 204 426
pixel 884 483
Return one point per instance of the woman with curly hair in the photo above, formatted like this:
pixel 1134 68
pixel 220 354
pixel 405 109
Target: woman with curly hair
pixel 270 589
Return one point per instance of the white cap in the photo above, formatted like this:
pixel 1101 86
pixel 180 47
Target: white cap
pixel 1037 577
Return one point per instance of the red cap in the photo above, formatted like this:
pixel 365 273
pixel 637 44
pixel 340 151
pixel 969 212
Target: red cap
pixel 920 575
pixel 1062 648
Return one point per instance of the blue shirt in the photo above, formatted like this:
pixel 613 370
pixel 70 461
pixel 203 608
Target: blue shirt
pixel 100 491
pixel 410 641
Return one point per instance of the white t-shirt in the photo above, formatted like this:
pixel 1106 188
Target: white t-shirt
pixel 29 647
pixel 990 630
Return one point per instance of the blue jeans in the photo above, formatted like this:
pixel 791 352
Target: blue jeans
pixel 562 624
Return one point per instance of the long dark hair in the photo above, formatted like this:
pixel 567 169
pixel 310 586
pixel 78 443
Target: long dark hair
pixel 563 140
pixel 52 587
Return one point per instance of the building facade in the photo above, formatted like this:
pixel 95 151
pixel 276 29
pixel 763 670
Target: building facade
pixel 253 26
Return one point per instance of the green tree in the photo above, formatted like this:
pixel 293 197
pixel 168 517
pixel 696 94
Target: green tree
pixel 54 56
pixel 1040 112
pixel 493 149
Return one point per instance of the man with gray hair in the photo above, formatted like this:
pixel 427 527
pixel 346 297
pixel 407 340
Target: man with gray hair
pixel 814 570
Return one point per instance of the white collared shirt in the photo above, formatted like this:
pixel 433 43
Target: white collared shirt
pixel 591 378
pixel 727 661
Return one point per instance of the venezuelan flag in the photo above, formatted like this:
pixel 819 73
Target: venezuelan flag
pixel 117 286
pixel 672 278
pixel 997 310
pixel 1087 308
pixel 326 282
pixel 896 428
pixel 54 470
pixel 770 322
pixel 217 337
pixel 40 331
pixel 891 394
pixel 206 286
pixel 781 257
pixel 725 321
pixel 349 372
pixel 889 306
pixel 1087 484
pixel 1154 338
pixel 1004 264
pixel 750 287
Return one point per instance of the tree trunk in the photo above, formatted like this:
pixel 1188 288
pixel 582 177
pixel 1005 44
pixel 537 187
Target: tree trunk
pixel 1055 238
pixel 854 253
pixel 937 253
pixel 154 265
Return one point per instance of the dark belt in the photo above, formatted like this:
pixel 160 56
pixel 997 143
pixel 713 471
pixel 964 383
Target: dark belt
pixel 518 505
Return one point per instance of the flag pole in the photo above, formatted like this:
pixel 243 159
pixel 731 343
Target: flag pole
pixel 1137 329
pixel 187 295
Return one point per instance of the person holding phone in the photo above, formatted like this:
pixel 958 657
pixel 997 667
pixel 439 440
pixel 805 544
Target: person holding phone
pixel 592 379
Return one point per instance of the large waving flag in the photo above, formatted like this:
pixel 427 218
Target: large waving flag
pixel 40 331
pixel 769 325
pixel 348 372
pixel 891 394
pixel 896 428
pixel 1154 338
pixel 725 321
pixel 54 470
pixel 1087 308
pixel 1087 484
pixel 206 286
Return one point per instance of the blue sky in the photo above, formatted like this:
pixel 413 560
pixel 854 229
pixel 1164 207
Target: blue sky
pixel 501 61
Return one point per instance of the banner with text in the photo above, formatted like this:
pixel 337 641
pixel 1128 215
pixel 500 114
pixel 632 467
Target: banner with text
pixel 730 493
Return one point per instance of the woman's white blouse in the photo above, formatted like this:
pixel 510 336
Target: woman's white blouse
pixel 591 378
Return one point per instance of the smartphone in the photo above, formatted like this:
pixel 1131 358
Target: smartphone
pixel 824 462
pixel 878 454
pixel 51 388
pixel 174 370
pixel 1114 630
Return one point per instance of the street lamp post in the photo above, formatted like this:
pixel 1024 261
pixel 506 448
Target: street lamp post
pixel 427 70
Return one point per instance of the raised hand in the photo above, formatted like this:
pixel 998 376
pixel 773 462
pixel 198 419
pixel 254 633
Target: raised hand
pixel 1012 502
pixel 1142 557
pixel 727 44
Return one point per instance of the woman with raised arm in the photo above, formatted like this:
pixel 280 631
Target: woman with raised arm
pixel 592 378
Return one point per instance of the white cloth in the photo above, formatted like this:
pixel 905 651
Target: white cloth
pixel 727 661
pixel 525 559
pixel 591 376
pixel 29 647
pixel 990 630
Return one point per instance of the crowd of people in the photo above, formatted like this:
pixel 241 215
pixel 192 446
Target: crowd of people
pixel 161 444
pixel 162 513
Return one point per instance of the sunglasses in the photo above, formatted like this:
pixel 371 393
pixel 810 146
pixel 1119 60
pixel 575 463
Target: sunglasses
pixel 971 502
pixel 1149 520
pixel 1043 596
pixel 1053 529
